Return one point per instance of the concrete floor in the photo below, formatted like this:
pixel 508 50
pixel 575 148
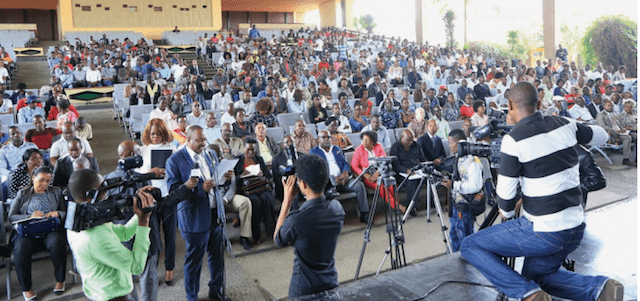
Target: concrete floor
pixel 265 272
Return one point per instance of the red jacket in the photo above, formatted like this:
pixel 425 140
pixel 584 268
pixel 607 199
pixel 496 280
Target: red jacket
pixel 360 160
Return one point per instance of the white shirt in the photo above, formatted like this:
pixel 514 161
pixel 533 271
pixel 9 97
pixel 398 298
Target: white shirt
pixel 226 118
pixel 334 170
pixel 3 73
pixel 320 43
pixel 200 120
pixel 6 105
pixel 59 148
pixel 177 71
pixel 213 133
pixel 205 169
pixel 220 101
pixel 249 108
pixel 93 75
pixel 580 112
pixel 164 115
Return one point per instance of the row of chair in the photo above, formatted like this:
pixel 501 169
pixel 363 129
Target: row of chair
pixel 16 38
pixel 84 37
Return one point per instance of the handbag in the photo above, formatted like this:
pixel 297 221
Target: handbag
pixel 255 184
pixel 36 227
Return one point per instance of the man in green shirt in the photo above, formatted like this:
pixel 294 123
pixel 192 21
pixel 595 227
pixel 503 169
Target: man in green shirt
pixel 106 266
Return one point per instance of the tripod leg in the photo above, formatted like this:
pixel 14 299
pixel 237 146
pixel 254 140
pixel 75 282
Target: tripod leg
pixel 367 231
pixel 443 226
pixel 429 203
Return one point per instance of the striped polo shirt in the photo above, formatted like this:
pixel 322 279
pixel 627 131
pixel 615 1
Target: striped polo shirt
pixel 538 159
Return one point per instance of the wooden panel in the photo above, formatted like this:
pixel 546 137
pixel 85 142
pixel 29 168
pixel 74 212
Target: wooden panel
pixel 12 16
pixel 257 17
pixel 45 25
pixel 29 4
pixel 289 18
pixel 277 17
pixel 235 18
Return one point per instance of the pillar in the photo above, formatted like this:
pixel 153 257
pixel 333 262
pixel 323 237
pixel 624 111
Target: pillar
pixel 216 14
pixel 328 12
pixel 348 14
pixel 549 28
pixel 418 10
pixel 65 18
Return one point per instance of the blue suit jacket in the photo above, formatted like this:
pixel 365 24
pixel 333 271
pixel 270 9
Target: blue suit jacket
pixel 337 154
pixel 194 213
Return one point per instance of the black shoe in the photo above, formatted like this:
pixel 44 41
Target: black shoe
pixel 629 163
pixel 169 283
pixel 245 243
pixel 413 212
pixel 218 297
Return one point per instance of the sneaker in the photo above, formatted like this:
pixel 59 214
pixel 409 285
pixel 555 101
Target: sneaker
pixel 613 291
pixel 538 296
pixel 629 163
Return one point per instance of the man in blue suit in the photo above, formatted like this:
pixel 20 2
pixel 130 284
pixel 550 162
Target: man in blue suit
pixel 197 217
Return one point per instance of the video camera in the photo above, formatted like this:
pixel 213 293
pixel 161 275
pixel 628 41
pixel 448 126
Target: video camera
pixel 330 192
pixel 495 130
pixel 119 204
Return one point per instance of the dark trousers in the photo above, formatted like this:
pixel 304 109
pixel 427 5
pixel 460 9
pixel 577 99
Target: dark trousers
pixel 196 244
pixel 169 225
pixel 262 209
pixel 24 247
pixel 410 188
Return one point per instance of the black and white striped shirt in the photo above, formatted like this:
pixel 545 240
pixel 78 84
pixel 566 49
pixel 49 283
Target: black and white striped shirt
pixel 538 157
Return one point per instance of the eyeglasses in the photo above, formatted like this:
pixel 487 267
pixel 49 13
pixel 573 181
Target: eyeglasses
pixel 324 137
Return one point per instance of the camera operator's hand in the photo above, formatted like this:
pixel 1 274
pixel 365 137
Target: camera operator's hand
pixel 37 213
pixel 143 200
pixel 191 183
pixel 208 184
pixel 52 214
pixel 437 161
pixel 158 171
pixel 290 188
pixel 373 178
pixel 446 183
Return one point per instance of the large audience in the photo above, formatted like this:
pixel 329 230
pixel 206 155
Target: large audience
pixel 339 83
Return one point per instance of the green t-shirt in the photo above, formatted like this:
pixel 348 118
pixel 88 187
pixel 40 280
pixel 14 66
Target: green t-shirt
pixel 105 265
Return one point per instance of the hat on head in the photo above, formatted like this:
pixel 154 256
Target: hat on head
pixel 241 72
pixel 443 88
pixel 557 98
pixel 31 99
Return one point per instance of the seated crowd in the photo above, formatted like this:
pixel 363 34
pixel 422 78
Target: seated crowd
pixel 415 88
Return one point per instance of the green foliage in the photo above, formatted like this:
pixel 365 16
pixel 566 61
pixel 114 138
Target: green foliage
pixel 512 39
pixel 448 18
pixel 366 23
pixel 612 40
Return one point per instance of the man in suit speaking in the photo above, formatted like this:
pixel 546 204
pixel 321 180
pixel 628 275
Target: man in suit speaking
pixel 197 217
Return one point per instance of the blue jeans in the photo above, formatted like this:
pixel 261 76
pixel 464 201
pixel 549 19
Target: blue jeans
pixel 460 227
pixel 544 253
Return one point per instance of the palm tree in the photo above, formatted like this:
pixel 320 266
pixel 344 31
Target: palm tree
pixel 367 22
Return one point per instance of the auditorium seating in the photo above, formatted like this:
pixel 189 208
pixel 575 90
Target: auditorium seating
pixel 16 38
pixel 84 37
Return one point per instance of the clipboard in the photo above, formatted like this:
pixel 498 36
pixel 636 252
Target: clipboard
pixel 159 157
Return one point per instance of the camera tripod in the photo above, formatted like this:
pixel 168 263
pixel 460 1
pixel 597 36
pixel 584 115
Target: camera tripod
pixel 431 176
pixel 394 229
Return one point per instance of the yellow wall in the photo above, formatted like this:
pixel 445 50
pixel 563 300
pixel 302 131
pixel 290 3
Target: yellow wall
pixel 350 14
pixel 145 20
pixel 328 13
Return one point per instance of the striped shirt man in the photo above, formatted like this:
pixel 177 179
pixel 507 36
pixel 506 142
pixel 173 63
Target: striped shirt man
pixel 538 157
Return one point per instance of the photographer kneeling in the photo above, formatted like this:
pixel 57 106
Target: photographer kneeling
pixel 313 228
pixel 106 266
pixel 463 190
pixel 39 201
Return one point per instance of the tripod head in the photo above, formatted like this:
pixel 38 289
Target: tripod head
pixel 383 166
pixel 429 170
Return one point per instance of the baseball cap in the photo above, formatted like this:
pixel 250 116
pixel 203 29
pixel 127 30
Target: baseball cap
pixel 31 99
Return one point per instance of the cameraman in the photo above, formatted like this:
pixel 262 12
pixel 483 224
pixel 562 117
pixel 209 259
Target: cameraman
pixel 106 266
pixel 466 187
pixel 313 229
pixel 538 158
